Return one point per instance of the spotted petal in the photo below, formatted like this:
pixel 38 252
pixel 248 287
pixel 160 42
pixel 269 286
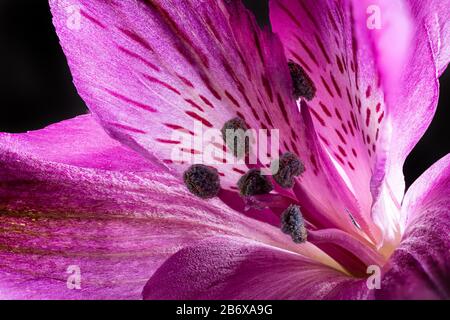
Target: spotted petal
pixel 71 197
pixel 148 69
pixel 367 88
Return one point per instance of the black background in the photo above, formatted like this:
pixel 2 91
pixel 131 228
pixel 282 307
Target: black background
pixel 36 87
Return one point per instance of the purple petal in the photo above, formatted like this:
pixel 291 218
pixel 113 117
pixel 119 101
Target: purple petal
pixel 434 16
pixel 420 266
pixel 232 268
pixel 146 69
pixel 412 97
pixel 349 104
pixel 72 196
pixel 374 99
pixel 325 197
pixel 79 142
pixel 149 70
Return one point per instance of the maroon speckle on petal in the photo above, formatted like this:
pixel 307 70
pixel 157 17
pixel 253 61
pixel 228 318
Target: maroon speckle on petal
pixel 131 101
pixel 167 141
pixel 325 109
pixel 380 118
pixel 368 112
pixel 267 87
pixel 206 101
pixel 138 57
pixel 342 151
pixel 327 87
pixel 336 86
pixel 368 91
pixel 186 81
pixel 195 105
pixel 162 83
pixel 138 39
pixel 199 118
pixel 341 137
pixel 317 116
pixel 232 99
pixel 179 128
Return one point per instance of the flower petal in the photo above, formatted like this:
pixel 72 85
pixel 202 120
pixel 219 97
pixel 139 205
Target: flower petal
pixel 233 268
pixel 412 89
pixel 367 88
pixel 349 102
pixel 150 70
pixel 79 142
pixel 147 69
pixel 328 202
pixel 72 196
pixel 420 267
pixel 435 18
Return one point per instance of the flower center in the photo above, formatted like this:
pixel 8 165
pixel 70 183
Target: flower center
pixel 234 133
pixel 303 85
pixel 203 181
pixel 286 169
pixel 254 183
pixel 292 223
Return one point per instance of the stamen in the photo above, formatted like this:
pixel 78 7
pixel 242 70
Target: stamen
pixel 292 223
pixel 286 169
pixel 253 183
pixel 303 85
pixel 235 137
pixel 203 181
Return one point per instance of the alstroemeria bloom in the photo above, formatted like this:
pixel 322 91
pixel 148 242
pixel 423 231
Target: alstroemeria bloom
pixel 94 207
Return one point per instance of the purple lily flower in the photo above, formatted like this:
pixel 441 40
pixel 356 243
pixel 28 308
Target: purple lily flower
pixel 100 197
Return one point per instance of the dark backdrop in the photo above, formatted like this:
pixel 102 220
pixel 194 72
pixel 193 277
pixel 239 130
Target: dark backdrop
pixel 36 87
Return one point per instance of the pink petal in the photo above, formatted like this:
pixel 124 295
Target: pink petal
pixel 72 196
pixel 232 268
pixel 434 16
pixel 327 200
pixel 348 101
pixel 147 69
pixel 420 267
pixel 151 69
pixel 411 95
pixel 79 142
pixel 374 99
